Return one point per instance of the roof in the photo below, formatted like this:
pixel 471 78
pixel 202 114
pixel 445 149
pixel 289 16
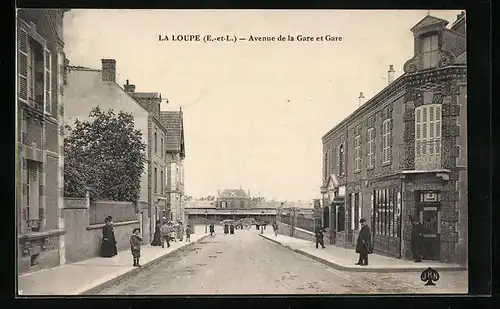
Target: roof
pixel 430 21
pixel 173 122
pixel 145 95
pixel 81 68
pixel 233 193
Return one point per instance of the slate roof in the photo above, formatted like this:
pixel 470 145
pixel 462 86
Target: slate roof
pixel 233 193
pixel 428 21
pixel 173 122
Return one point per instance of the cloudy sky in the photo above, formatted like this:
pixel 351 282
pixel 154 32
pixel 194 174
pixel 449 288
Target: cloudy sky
pixel 254 112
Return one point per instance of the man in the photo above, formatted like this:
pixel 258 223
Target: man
pixel 364 244
pixel 212 229
pixel 275 228
pixel 165 234
pixel 417 239
pixel 319 236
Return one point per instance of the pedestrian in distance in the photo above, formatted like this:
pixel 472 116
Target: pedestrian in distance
pixel 108 247
pixel 165 234
pixel 275 228
pixel 135 246
pixel 364 244
pixel 319 236
pixel 417 239
pixel 188 233
pixel 231 229
pixel 212 229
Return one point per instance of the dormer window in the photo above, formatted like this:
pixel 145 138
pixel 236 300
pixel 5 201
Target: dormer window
pixel 430 51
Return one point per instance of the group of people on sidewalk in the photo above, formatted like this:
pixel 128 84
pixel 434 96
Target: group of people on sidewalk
pixel 364 243
pixel 165 232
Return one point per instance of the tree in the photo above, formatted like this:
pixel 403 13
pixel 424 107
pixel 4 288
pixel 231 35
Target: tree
pixel 106 154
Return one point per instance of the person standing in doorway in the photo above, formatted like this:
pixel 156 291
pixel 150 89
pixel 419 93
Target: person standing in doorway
pixel 319 236
pixel 417 239
pixel 135 246
pixel 165 234
pixel 364 244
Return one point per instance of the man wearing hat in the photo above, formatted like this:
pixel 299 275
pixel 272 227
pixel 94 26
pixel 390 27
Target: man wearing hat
pixel 364 245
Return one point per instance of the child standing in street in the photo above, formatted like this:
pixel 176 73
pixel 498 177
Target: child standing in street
pixel 188 233
pixel 135 246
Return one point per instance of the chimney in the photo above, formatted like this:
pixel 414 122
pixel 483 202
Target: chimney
pixel 390 74
pixel 108 70
pixel 361 99
pixel 128 87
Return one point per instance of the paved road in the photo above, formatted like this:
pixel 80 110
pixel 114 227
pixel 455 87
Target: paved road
pixel 245 263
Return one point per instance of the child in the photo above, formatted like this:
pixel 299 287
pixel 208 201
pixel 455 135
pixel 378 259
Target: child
pixel 135 246
pixel 188 233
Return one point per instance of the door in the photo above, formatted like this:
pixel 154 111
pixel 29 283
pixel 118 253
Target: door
pixel 430 218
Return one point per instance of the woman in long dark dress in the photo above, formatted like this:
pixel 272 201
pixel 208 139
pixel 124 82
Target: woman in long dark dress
pixel 157 236
pixel 108 247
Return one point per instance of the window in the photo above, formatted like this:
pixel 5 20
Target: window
pixel 357 153
pixel 430 51
pixel 326 165
pixel 371 147
pixel 161 146
pixel 162 189
pixel 355 211
pixel 428 136
pixel 386 141
pixel 387 212
pixel 341 160
pixel 156 180
pixel 32 191
pixel 156 143
pixel 34 68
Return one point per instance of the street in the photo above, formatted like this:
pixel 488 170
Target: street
pixel 245 263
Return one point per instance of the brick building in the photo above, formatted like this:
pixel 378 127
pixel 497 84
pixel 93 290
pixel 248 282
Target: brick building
pixel 404 153
pixel 87 88
pixel 39 165
pixel 174 154
pixel 233 198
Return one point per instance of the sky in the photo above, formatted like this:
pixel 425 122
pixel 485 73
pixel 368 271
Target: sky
pixel 254 112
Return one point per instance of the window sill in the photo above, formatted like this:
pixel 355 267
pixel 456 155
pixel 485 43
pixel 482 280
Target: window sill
pixel 357 171
pixel 386 163
pixel 370 168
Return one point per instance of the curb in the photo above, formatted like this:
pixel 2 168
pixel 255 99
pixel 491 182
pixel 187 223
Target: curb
pixel 101 286
pixel 359 269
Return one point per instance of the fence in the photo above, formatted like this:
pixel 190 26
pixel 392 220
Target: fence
pixel 120 211
pixel 305 223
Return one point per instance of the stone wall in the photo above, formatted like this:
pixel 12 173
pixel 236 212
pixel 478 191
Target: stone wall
pixel 284 229
pixel 83 241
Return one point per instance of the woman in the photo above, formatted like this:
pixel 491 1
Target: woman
pixel 157 236
pixel 108 247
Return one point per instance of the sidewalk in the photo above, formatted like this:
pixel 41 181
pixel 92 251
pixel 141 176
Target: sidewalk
pixel 87 276
pixel 344 259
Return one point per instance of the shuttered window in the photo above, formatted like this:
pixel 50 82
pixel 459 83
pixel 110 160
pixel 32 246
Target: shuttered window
pixel 48 81
pixel 371 148
pixel 428 136
pixel 357 153
pixel 22 63
pixel 386 141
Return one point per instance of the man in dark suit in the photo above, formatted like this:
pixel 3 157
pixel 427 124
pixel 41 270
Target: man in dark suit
pixel 417 239
pixel 364 244
pixel 319 236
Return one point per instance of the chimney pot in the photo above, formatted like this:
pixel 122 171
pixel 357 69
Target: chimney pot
pixel 361 99
pixel 128 87
pixel 390 74
pixel 108 70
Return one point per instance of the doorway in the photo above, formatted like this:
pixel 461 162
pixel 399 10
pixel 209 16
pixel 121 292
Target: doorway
pixel 429 214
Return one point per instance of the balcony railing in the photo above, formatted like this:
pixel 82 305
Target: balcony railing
pixel 421 155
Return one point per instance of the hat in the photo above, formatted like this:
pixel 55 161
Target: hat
pixel 362 220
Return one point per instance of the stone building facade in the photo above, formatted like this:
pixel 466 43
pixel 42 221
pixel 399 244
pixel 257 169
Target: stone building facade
pixel 174 153
pixel 233 199
pixel 157 159
pixel 39 159
pixel 403 153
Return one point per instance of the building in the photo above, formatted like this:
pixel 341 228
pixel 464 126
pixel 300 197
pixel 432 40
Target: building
pixel 87 88
pixel 403 153
pixel 174 154
pixel 157 159
pixel 233 199
pixel 39 164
